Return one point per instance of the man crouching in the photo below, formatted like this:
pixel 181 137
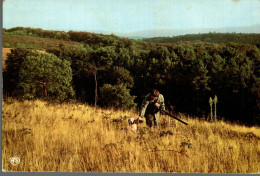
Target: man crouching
pixel 151 108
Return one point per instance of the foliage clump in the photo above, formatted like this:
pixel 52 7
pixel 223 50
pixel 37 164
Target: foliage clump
pixel 117 96
pixel 186 72
pixel 39 75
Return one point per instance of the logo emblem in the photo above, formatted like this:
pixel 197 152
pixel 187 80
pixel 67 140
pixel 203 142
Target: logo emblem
pixel 14 160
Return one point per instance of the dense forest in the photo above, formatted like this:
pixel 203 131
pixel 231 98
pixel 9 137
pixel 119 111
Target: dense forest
pixel 109 71
pixel 253 39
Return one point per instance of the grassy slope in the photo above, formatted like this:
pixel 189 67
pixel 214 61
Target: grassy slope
pixel 5 53
pixel 32 42
pixel 76 137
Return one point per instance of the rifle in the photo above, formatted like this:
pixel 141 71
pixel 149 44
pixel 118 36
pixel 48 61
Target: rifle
pixel 171 115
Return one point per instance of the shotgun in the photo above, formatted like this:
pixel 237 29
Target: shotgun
pixel 171 115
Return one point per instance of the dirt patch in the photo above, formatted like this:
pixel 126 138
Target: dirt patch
pixel 5 52
pixel 8 50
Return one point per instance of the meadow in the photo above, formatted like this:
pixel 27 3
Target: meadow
pixel 75 137
pixel 33 42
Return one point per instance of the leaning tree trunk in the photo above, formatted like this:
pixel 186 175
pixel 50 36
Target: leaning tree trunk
pixel 44 85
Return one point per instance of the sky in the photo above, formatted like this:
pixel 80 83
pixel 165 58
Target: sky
pixel 129 15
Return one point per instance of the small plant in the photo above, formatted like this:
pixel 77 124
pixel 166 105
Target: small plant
pixel 142 132
pixel 215 103
pixel 210 104
pixel 186 144
pixel 117 120
pixel 211 101
pixel 165 133
pixel 6 45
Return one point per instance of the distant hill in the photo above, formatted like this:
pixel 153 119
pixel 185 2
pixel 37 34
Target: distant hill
pixel 253 39
pixel 177 32
pixel 40 39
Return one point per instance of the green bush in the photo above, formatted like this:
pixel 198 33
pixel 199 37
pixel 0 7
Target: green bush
pixel 45 75
pixel 20 45
pixel 6 45
pixel 11 75
pixel 117 96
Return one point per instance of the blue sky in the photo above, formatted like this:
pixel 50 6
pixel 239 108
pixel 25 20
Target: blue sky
pixel 129 15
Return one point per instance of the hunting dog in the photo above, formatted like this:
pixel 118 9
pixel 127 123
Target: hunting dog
pixel 132 124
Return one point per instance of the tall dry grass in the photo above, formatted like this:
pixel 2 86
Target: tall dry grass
pixel 76 137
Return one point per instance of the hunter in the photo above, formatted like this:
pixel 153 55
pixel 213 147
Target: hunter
pixel 151 108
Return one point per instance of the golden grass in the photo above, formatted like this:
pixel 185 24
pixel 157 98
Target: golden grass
pixel 75 137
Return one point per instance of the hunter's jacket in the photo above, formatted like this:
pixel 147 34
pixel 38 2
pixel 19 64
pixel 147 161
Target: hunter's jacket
pixel 152 107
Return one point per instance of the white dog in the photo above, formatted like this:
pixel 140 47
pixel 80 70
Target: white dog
pixel 132 124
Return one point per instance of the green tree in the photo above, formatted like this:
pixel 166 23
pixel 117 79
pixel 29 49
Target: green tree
pixel 11 74
pixel 78 57
pixel 117 96
pixel 124 58
pixel 100 59
pixel 216 71
pixel 45 75
pixel 119 75
pixel 200 78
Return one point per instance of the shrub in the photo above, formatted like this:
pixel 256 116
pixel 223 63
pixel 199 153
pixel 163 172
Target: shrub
pixel 13 64
pixel 45 75
pixel 117 96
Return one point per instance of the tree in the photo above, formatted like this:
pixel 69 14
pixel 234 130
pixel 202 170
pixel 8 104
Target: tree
pixel 45 75
pixel 119 75
pixel 124 58
pixel 11 75
pixel 117 96
pixel 78 57
pixel 100 59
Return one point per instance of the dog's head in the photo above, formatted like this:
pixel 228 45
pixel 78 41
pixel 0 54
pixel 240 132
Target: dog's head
pixel 131 121
pixel 134 121
pixel 131 124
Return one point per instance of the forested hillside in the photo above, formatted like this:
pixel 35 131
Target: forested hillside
pixel 119 72
pixel 253 39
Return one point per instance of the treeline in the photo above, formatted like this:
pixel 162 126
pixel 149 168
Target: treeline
pixel 120 72
pixel 253 39
pixel 37 32
pixel 96 40
pixel 34 42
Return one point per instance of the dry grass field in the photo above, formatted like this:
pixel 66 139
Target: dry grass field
pixel 74 137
